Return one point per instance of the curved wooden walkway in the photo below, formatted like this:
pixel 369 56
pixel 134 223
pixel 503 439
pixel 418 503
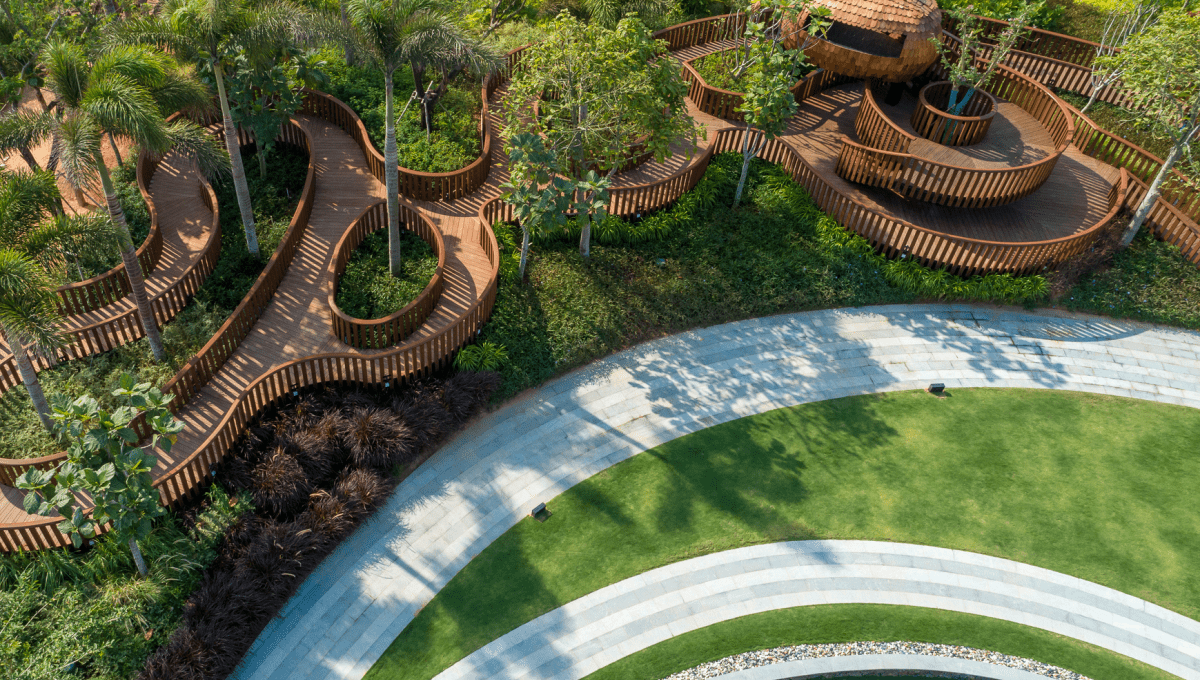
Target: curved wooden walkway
pixel 290 341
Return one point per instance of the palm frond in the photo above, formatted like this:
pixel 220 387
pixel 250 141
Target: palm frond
pixel 140 63
pixel 25 198
pixel 199 145
pixel 66 71
pixel 24 128
pixel 181 90
pixel 27 301
pixel 120 106
pixel 78 147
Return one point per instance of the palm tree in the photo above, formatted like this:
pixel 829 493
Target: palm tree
pixel 212 33
pixel 28 316
pixel 420 33
pixel 31 223
pixel 126 93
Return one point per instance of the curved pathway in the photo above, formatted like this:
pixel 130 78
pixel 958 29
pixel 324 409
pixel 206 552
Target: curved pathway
pixel 350 609
pixel 631 615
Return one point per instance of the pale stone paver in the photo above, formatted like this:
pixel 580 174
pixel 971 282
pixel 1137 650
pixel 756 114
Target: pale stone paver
pixel 490 476
pixel 625 617
pixel 875 663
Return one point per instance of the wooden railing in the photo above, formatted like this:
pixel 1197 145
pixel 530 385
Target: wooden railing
pixel 423 186
pixel 393 328
pixel 875 128
pixel 702 31
pixel 1054 59
pixel 931 121
pixel 724 104
pixel 1175 217
pixel 39 534
pixel 944 184
pixel 413 359
pixel 196 373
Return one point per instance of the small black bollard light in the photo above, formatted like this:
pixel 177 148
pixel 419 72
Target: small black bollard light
pixel 540 512
pixel 937 389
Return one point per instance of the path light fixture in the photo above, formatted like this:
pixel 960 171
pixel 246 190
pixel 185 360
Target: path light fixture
pixel 937 390
pixel 540 513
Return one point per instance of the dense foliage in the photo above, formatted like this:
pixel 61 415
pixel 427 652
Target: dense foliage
pixel 698 264
pixel 716 71
pixel 315 470
pixel 70 615
pixel 455 142
pixel 275 200
pixel 367 290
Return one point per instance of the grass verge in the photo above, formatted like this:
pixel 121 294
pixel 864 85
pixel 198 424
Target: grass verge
pixel 367 289
pixel 830 624
pixel 274 198
pixel 1091 486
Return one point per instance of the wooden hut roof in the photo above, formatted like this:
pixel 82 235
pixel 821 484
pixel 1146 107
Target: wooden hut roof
pixel 911 17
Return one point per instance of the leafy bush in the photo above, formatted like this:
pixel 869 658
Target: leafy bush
pixel 486 356
pixel 454 143
pixel 90 612
pixel 367 289
pixel 1046 17
pixel 699 263
pixel 1148 281
pixel 717 69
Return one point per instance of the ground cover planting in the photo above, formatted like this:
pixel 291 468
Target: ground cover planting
pixel 1085 485
pixel 275 198
pixel 367 290
pixel 880 623
pixel 454 142
pixel 699 263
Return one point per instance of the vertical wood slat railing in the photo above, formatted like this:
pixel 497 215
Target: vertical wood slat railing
pixel 702 31
pixel 422 186
pixel 931 121
pixel 1175 217
pixel 940 183
pixel 196 373
pixel 877 130
pixel 40 534
pixel 393 328
pixel 1052 58
pixel 724 104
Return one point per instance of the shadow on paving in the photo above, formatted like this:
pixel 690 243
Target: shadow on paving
pixel 470 492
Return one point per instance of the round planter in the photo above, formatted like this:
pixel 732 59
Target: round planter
pixel 931 121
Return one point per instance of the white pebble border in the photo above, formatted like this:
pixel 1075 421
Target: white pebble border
pixel 767 657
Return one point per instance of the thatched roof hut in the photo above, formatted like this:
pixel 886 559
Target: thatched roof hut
pixel 884 39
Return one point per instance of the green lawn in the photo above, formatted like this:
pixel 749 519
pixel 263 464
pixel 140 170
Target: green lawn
pixel 1092 486
pixel 881 623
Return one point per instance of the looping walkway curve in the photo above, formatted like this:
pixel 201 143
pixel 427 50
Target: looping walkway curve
pixel 631 615
pixel 350 609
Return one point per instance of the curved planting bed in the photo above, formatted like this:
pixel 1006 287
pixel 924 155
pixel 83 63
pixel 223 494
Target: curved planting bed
pixel 395 327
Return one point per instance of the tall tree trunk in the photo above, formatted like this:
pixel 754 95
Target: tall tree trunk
pixel 27 156
pixel 747 156
pixel 235 160
pixel 261 153
pixel 133 268
pixel 392 176
pixel 137 556
pixel 28 377
pixel 1143 211
pixel 585 239
pixel 524 252
pixel 348 45
pixel 422 95
pixel 112 141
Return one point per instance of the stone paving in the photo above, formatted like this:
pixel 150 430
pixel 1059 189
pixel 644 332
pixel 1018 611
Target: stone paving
pixel 625 617
pixel 490 476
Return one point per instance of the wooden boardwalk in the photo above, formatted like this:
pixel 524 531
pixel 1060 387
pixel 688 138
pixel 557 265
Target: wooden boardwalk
pixel 295 324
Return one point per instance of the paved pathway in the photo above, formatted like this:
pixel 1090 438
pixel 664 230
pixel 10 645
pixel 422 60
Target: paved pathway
pixel 491 475
pixel 625 617
pixel 875 663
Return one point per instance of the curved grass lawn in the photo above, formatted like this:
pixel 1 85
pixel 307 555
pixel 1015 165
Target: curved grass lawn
pixel 885 623
pixel 1097 487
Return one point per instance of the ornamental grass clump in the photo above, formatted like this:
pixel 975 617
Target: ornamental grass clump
pixel 377 438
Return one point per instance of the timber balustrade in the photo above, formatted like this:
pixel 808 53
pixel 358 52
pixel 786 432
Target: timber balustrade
pixel 931 120
pixel 703 31
pixel 391 329
pixel 890 166
pixel 1054 59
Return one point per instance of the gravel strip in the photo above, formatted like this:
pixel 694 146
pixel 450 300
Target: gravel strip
pixel 766 657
